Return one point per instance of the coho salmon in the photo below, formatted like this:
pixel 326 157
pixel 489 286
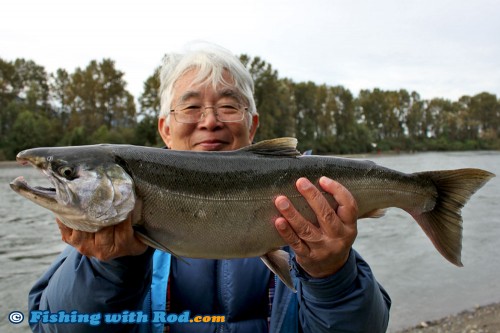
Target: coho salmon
pixel 220 205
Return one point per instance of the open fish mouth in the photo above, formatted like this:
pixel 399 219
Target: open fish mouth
pixel 34 193
pixel 20 185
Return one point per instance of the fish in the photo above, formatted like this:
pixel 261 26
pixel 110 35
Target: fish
pixel 220 205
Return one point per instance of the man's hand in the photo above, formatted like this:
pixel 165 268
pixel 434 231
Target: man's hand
pixel 320 250
pixel 106 244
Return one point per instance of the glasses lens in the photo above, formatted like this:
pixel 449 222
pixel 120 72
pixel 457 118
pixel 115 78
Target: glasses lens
pixel 229 112
pixel 188 113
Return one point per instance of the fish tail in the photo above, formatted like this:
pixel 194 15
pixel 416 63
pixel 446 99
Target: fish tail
pixel 443 224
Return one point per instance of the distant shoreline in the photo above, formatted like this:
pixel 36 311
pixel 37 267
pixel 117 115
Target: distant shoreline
pixel 8 164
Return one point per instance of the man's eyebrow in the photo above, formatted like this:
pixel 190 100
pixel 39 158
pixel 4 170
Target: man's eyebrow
pixel 188 94
pixel 228 92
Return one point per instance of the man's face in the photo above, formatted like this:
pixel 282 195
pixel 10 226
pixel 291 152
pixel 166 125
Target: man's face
pixel 209 134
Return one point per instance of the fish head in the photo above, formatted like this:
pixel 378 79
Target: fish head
pixel 90 190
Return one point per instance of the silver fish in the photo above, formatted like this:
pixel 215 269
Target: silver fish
pixel 221 204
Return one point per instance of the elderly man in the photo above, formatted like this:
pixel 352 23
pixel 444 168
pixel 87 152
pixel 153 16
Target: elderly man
pixel 207 105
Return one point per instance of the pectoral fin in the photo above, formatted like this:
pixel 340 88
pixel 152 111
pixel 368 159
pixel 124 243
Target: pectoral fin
pixel 154 244
pixel 278 262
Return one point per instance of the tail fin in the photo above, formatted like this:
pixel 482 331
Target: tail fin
pixel 443 224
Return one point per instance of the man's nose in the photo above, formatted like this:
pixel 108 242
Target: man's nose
pixel 209 119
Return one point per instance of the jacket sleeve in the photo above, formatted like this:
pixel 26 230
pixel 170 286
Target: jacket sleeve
pixel 351 300
pixel 83 285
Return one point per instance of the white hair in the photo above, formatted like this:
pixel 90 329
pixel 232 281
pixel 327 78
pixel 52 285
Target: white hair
pixel 211 62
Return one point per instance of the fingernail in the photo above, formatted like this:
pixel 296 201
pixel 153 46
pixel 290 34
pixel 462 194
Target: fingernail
pixel 280 225
pixel 304 184
pixel 326 181
pixel 283 204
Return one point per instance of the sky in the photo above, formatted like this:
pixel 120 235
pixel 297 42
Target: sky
pixel 438 48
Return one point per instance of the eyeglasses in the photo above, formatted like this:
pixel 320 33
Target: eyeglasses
pixel 189 113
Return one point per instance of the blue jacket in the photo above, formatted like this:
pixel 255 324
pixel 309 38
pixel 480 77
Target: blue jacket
pixel 349 301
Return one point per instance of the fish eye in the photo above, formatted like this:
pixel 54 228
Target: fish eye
pixel 67 172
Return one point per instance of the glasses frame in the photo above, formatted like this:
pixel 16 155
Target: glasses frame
pixel 203 113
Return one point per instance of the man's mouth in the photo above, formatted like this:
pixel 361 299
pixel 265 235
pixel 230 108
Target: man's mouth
pixel 212 144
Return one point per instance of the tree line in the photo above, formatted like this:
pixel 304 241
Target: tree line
pixel 92 105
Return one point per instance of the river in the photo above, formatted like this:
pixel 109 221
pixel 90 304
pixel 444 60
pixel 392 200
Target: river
pixel 422 284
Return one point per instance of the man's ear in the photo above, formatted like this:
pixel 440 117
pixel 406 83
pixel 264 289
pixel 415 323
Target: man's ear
pixel 164 130
pixel 255 125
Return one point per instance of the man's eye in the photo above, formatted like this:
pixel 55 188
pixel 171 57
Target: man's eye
pixel 227 108
pixel 192 107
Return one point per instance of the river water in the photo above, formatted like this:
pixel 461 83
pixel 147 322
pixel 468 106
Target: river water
pixel 422 284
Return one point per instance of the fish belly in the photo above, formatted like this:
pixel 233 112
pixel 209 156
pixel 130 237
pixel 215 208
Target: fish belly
pixel 213 228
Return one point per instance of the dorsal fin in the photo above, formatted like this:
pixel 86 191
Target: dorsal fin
pixel 275 147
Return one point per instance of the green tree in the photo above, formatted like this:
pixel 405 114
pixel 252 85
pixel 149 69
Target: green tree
pixel 95 96
pixel 375 109
pixel 23 87
pixel 146 132
pixel 60 89
pixel 272 99
pixel 415 118
pixel 470 126
pixel 33 86
pixel 484 108
pixel 8 95
pixel 351 133
pixel 30 130
pixel 25 82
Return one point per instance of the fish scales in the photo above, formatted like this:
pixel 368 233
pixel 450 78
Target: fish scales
pixel 234 190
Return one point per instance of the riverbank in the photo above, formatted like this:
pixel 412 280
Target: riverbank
pixel 482 319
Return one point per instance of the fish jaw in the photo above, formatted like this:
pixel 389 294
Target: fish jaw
pixel 45 197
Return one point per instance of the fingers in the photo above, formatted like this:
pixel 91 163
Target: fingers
pixel 71 236
pixel 65 231
pixel 108 243
pixel 303 228
pixel 347 208
pixel 321 249
pixel 290 237
pixel 328 220
pixel 335 217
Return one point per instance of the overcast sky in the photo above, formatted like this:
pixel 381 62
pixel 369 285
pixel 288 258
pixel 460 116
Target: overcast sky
pixel 439 48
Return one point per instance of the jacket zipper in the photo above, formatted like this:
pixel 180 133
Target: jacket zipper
pixel 219 268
